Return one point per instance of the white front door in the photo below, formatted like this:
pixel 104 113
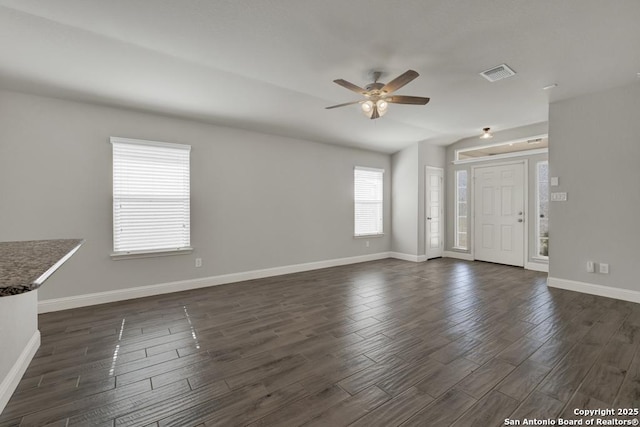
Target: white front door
pixel 434 243
pixel 499 214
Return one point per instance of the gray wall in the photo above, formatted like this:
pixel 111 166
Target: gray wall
pixel 404 200
pixel 595 149
pixel 258 200
pixel 503 136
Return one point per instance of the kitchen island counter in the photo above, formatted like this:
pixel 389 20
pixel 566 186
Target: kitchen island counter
pixel 25 265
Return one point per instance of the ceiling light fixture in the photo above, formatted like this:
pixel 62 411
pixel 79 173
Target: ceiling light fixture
pixel 379 95
pixel 486 133
pixel 376 109
pixel 551 86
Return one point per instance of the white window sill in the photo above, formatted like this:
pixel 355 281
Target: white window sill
pixel 465 250
pixel 150 254
pixel 367 236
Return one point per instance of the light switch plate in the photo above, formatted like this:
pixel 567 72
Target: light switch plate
pixel 559 197
pixel 554 182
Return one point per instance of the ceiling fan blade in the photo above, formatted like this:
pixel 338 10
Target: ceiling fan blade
pixel 343 105
pixel 402 99
pixel 351 86
pixel 399 81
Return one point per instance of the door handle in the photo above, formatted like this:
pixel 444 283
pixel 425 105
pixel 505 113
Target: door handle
pixel 429 218
pixel 520 219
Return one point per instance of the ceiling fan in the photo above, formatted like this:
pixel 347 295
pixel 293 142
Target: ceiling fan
pixel 378 96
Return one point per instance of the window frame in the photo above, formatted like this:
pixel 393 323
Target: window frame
pixel 380 231
pixel 456 225
pixel 149 252
pixel 538 255
pixel 528 152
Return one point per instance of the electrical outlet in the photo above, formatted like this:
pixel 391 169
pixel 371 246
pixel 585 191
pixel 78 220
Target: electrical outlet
pixel 559 197
pixel 198 262
pixel 603 268
pixel 367 243
pixel 590 267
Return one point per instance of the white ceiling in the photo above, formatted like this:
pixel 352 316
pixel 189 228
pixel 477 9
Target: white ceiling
pixel 268 65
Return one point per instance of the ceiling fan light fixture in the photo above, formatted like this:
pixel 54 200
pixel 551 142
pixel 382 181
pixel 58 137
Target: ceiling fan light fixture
pixel 374 110
pixel 382 106
pixel 486 133
pixel 377 95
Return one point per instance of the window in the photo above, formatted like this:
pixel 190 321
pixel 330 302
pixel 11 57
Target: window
pixel 462 207
pixel 533 145
pixel 151 207
pixel 368 207
pixel 542 209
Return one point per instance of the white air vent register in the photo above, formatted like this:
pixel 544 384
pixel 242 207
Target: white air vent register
pixel 498 73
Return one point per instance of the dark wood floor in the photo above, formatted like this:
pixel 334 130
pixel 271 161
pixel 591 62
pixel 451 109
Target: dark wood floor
pixel 382 343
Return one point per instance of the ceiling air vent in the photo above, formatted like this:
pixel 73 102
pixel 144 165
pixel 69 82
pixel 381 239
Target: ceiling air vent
pixel 498 73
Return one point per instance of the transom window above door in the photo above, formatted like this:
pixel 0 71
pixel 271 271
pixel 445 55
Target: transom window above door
pixel 503 149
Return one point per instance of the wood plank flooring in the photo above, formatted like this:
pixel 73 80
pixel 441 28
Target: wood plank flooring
pixel 383 343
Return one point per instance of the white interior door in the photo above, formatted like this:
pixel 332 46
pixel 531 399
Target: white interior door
pixel 499 214
pixel 434 242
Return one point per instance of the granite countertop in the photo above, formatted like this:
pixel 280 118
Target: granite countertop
pixel 25 265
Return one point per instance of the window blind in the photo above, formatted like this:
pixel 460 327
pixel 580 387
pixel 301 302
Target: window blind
pixel 368 204
pixel 151 200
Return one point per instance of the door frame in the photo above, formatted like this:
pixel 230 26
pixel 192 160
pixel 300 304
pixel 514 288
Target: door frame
pixel 426 209
pixel 525 195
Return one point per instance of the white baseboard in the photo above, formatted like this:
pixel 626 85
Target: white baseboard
pixel 407 257
pixel 458 255
pixel 58 304
pixel 593 289
pixel 537 266
pixel 10 382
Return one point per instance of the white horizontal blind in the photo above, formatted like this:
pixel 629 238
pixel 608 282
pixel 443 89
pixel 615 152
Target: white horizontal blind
pixel 368 201
pixel 151 200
